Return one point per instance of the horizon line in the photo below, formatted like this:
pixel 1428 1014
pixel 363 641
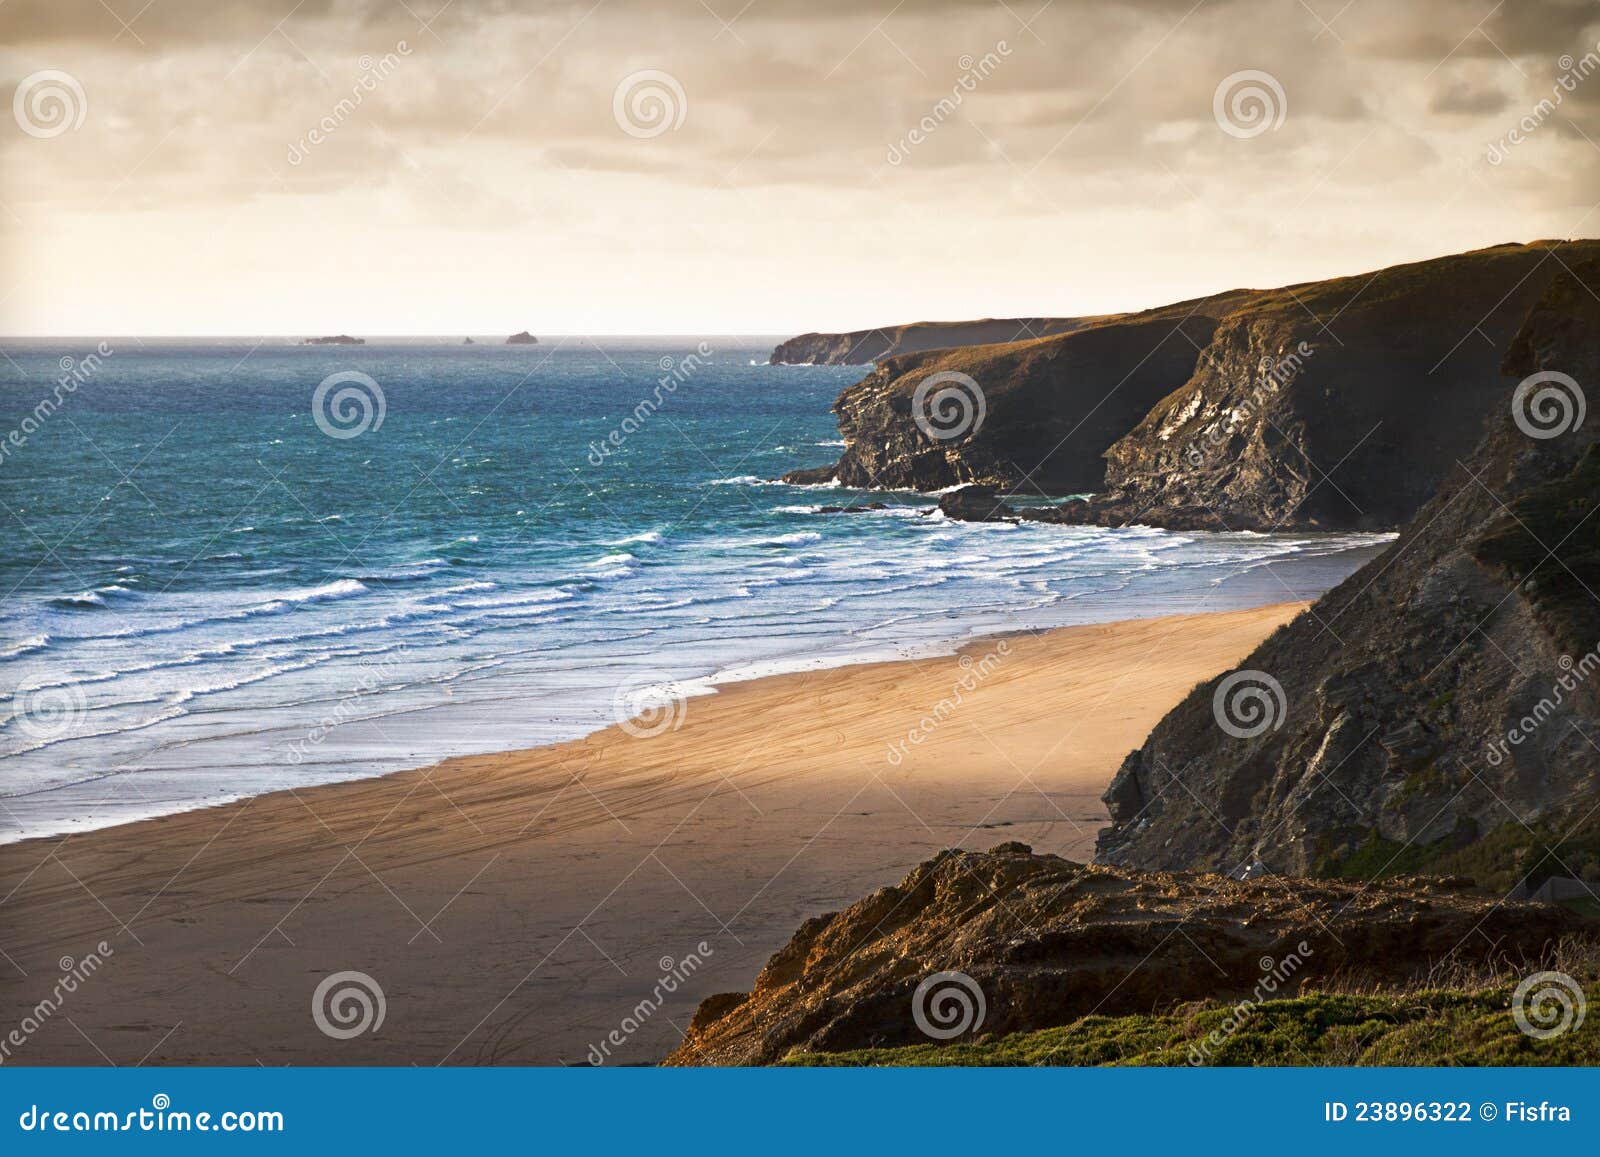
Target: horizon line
pixel 297 339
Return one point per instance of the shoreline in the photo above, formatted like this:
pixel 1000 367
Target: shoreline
pixel 753 809
pixel 185 775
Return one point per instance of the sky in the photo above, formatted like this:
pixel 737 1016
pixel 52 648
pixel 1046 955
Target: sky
pixel 376 167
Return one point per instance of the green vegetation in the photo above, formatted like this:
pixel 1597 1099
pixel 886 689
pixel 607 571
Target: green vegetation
pixel 1428 1027
pixel 1379 859
pixel 1429 781
pixel 1496 862
pixel 1510 853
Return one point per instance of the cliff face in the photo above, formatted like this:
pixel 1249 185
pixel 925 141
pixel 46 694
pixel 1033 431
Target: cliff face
pixel 1038 413
pixel 1333 405
pixel 1440 708
pixel 1042 941
pixel 1337 405
pixel 864 346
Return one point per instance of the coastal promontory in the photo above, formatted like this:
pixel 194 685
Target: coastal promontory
pixel 1329 405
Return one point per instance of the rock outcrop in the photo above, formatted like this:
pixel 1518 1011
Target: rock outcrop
pixel 864 346
pixel 1441 707
pixel 975 503
pixel 864 508
pixel 523 338
pixel 337 339
pixel 1044 941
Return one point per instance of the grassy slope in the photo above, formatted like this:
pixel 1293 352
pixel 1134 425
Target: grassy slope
pixel 1430 1027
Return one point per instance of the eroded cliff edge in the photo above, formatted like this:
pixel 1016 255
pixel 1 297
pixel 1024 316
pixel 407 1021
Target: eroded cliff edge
pixel 1043 941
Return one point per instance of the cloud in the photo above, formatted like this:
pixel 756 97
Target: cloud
pixel 1094 130
pixel 1466 100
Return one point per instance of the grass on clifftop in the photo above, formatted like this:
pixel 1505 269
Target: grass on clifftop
pixel 1429 1027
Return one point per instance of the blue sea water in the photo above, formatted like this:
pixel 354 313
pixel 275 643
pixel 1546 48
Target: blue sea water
pixel 208 595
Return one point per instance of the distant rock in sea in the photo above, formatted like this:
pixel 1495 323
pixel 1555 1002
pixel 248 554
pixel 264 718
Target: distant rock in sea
pixel 338 339
pixel 468 341
pixel 975 503
pixel 523 338
pixel 862 509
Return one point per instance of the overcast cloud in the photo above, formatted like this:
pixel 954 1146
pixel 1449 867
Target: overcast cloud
pixel 483 181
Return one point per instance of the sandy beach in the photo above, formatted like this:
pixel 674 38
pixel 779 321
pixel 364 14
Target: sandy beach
pixel 517 908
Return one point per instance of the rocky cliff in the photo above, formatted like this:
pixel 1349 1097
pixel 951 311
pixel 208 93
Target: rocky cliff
pixel 1005 941
pixel 1331 405
pixel 1037 414
pixel 1336 405
pixel 864 346
pixel 1440 708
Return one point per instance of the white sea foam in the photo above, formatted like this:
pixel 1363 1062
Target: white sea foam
pixel 644 536
pixel 26 646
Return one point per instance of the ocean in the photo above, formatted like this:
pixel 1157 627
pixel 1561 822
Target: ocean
pixel 229 574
